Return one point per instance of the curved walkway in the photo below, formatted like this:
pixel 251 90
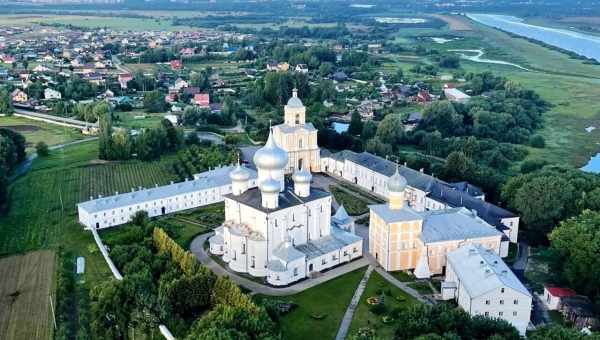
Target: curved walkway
pixel 197 248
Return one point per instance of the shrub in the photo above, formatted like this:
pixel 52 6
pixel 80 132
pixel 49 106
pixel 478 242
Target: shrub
pixel 537 141
pixel 378 309
pixel 41 149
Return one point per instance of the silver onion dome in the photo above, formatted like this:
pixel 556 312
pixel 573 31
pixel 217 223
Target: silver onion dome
pixel 396 183
pixel 269 186
pixel 302 176
pixel 270 156
pixel 239 174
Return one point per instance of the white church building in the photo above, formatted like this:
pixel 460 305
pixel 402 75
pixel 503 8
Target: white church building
pixel 281 231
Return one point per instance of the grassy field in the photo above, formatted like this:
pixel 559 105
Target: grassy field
pixel 394 298
pixel 25 291
pixel 43 210
pixel 117 23
pixel 129 120
pixel 568 84
pixel 354 205
pixel 330 298
pixel 36 131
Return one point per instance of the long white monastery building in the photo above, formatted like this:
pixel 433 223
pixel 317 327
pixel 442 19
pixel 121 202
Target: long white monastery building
pixel 281 231
pixel 423 192
pixel 206 188
pixel 482 284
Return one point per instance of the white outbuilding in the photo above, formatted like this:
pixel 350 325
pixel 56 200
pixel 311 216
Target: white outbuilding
pixel 482 284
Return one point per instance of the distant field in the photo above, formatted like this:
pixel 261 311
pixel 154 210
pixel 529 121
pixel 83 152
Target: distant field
pixel 25 292
pixel 118 23
pixel 455 22
pixel 129 120
pixel 36 131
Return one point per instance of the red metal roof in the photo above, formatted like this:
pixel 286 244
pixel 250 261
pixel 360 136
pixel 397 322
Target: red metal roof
pixel 560 292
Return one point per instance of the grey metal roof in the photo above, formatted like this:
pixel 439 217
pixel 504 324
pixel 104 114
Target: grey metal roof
pixel 287 253
pixel 344 236
pixel 287 198
pixel 341 216
pixel 454 224
pixel 437 189
pixel 276 266
pixel 291 129
pixel 481 270
pixel 319 247
pixel 206 180
pixel 395 215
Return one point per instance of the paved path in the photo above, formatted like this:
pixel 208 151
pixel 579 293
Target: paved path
pixel 522 257
pixel 197 248
pixel 347 320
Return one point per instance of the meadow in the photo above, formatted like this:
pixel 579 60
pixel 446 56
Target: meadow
pixel 26 289
pixel 86 21
pixel 36 131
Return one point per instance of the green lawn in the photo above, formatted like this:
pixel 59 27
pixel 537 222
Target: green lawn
pixel 403 276
pixel 35 131
pixel 421 287
pixel 330 298
pixel 353 204
pixel 394 299
pixel 139 119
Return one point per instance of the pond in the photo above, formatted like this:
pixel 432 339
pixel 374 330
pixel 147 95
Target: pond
pixel 340 127
pixel 593 165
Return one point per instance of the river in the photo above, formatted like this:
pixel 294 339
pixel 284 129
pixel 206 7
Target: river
pixel 582 44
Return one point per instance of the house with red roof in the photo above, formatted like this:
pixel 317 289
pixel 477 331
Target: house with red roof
pixel 423 97
pixel 202 100
pixel 553 296
pixel 124 78
pixel 176 64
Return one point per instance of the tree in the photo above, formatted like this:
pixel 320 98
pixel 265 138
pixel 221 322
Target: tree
pixel 459 167
pixel 450 61
pixel 154 101
pixel 105 133
pixel 443 117
pixel 110 310
pixel 356 124
pixel 369 130
pixel 558 332
pixel 575 243
pixel 6 103
pixel 174 136
pixel 121 145
pixel 41 149
pixel 390 130
pixel 552 196
pixel 537 141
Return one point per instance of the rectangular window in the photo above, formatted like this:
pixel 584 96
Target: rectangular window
pixel 295 271
pixel 501 290
pixel 516 302
pixel 500 313
pixel 487 313
pixel 487 302
pixel 501 302
pixel 323 261
pixel 514 313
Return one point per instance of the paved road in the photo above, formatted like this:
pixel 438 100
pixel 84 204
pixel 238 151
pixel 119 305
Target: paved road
pixel 24 167
pixel 347 319
pixel 197 248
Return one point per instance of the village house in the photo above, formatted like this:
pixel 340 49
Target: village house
pixel 176 65
pixel 124 78
pixel 301 68
pixel 50 94
pixel 456 95
pixel 202 100
pixel 553 295
pixel 19 96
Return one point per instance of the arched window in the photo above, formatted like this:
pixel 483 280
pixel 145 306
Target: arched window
pixel 297 118
pixel 300 143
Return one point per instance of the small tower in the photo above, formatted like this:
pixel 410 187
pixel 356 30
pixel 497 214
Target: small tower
pixel 269 192
pixel 294 110
pixel 396 186
pixel 239 179
pixel 302 180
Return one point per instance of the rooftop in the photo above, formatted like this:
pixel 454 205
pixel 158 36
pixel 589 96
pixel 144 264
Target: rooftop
pixel 481 270
pixel 205 180
pixel 287 198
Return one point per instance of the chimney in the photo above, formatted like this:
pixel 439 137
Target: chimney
pixel 422 170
